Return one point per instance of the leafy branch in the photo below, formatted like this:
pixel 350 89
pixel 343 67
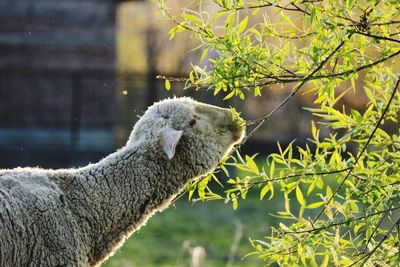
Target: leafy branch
pixel 338 193
pixel 346 222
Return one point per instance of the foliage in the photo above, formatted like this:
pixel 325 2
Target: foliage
pixel 341 190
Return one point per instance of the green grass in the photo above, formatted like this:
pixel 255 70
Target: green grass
pixel 212 225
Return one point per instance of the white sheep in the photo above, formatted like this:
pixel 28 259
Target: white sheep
pixel 79 217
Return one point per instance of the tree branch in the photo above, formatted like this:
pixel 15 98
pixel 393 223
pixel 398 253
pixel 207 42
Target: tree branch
pixel 342 222
pixel 295 90
pixel 378 37
pixel 294 176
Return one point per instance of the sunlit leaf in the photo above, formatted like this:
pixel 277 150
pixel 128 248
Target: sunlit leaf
pixel 265 190
pixel 167 84
pixel 315 205
pixel 252 165
pixel 243 25
pixel 299 196
pixel 191 18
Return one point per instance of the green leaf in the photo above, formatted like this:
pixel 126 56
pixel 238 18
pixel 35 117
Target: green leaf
pixel 257 34
pixel 272 190
pixel 234 204
pixel 229 95
pixel 344 261
pixel 325 262
pixel 370 95
pixel 357 227
pixel 310 188
pixel 190 196
pixel 287 202
pixel 217 15
pixel 231 181
pixel 313 14
pixel 167 84
pixel 229 20
pixel 315 205
pixel 257 91
pixel 272 170
pixel 215 178
pixel 252 165
pixel 204 54
pixel 243 25
pixel 329 192
pixel 240 93
pixel 191 18
pixel 265 190
pixel 314 130
pixel 191 77
pixel 383 134
pixel 243 168
pixel 299 196
pixel 255 11
pixel 176 29
pixel 319 183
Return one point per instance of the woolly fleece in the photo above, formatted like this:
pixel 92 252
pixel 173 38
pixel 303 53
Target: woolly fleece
pixel 79 217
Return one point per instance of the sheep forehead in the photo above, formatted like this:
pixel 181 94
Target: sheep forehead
pixel 177 103
pixel 178 108
pixel 176 112
pixel 185 106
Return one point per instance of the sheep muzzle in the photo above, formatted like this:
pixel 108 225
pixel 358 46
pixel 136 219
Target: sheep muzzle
pixel 237 128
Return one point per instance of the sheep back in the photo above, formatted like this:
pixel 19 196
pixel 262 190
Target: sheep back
pixel 35 227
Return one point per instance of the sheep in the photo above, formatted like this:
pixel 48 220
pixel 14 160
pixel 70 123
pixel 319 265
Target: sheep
pixel 80 217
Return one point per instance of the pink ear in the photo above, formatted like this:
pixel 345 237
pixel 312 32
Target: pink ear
pixel 169 140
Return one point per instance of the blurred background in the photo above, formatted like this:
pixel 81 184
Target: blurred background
pixel 74 77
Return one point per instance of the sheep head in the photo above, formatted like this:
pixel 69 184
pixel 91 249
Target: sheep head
pixel 188 132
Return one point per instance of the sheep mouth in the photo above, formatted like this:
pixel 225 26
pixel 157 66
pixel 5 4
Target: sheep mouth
pixel 237 131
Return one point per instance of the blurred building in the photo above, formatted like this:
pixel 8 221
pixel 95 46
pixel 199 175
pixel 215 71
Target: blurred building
pixel 57 75
pixel 61 102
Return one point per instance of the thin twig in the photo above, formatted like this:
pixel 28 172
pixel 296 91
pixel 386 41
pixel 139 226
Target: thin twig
pixel 317 229
pixel 332 75
pixel 294 176
pixel 267 4
pixel 378 37
pixel 295 90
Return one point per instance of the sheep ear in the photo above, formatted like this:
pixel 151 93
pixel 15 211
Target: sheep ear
pixel 169 140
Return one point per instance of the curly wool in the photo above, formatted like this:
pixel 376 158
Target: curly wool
pixel 79 217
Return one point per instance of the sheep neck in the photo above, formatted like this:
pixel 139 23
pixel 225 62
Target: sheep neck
pixel 120 193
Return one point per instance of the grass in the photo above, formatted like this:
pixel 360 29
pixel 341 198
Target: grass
pixel 168 236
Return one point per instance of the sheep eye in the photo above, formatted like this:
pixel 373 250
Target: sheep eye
pixel 192 122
